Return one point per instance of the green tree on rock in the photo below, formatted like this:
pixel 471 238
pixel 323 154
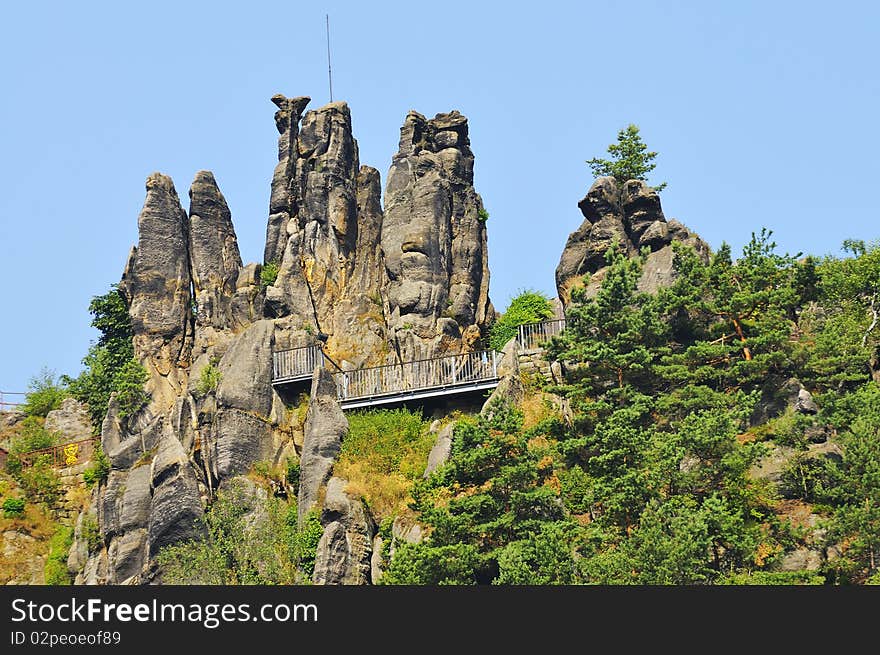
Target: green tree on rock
pixel 630 158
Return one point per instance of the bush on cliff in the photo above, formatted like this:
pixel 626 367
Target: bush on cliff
pixel 528 306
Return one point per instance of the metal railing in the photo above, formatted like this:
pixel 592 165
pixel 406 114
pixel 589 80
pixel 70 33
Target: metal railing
pixel 296 363
pixel 63 455
pixel 423 374
pixel 531 335
pixel 6 404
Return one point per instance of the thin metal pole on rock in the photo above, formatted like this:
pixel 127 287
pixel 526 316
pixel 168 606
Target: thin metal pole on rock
pixel 329 71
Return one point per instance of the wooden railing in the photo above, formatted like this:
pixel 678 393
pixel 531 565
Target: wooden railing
pixel 423 374
pixel 532 335
pixel 296 364
pixel 63 455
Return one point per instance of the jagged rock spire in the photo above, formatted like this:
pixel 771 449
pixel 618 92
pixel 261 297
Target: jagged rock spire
pixel 434 238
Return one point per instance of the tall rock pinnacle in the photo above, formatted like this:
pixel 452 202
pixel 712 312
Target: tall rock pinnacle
pixel 157 283
pixel 216 261
pixel 434 238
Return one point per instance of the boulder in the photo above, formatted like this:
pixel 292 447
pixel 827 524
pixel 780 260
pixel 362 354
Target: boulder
pixel 176 507
pixel 510 390
pixel 344 553
pixel 441 450
pixel 71 420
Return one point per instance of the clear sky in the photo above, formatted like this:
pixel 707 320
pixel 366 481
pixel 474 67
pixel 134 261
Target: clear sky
pixel 764 114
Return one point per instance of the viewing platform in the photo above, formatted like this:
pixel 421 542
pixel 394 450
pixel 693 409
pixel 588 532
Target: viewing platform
pixel 296 365
pixel 413 380
pixel 393 383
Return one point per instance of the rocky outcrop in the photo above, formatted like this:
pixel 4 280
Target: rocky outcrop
pixel 330 277
pixel 157 285
pixel 215 260
pixel 441 450
pixel 284 197
pixel 434 239
pixel 631 216
pixel 71 421
pixel 205 327
pixel 510 390
pixel 325 428
pixel 777 398
pixel 243 425
pixel 345 549
pixel 321 230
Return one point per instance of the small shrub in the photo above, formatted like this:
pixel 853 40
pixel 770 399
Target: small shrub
pixel 482 215
pixel 130 394
pixel 40 482
pixel 44 394
pixel 209 380
pixel 293 472
pixel 268 274
pixel 99 469
pixel 90 533
pixel 13 508
pixel 528 306
pixel 304 544
pixel 56 564
pixel 31 435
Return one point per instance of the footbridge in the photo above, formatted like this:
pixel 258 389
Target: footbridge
pixel 410 380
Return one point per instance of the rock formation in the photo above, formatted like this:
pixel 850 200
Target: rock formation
pixel 214 255
pixel 158 286
pixel 373 285
pixel 434 239
pixel 631 216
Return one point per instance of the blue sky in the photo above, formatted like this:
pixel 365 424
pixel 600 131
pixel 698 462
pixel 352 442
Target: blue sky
pixel 764 114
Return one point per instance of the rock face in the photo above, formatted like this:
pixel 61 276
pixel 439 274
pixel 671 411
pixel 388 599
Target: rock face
pixel 323 232
pixel 631 216
pixel 215 259
pixel 157 285
pixel 242 429
pixel 71 420
pixel 344 553
pixel 434 239
pixel 325 428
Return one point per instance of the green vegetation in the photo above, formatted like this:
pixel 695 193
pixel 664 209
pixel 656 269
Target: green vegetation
pixel 249 539
pixel 528 306
pixel 13 507
pixel 209 379
pixel 268 274
pixel 26 437
pixel 383 453
pixel 130 393
pixel 648 482
pixel 630 158
pixel 90 532
pixel 99 469
pixel 44 394
pixel 482 215
pixel 56 564
pixel 110 364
